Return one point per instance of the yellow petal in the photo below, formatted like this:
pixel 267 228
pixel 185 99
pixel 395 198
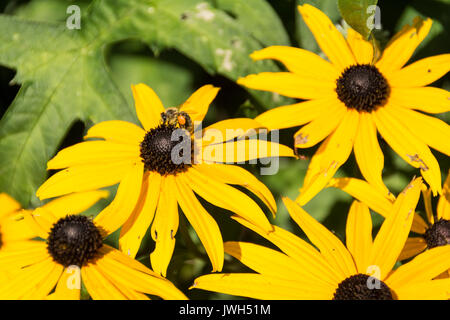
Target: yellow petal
pixel 427 290
pixel 117 131
pixel 296 114
pixel 359 235
pixel 20 254
pixel 329 245
pixel 394 231
pixel 366 193
pixel 165 226
pixel 131 294
pixel 321 127
pixel 84 178
pixel 413 246
pixel 428 99
pixel 329 39
pixel 123 273
pixel 426 195
pixel 228 129
pixel 137 224
pixel 106 288
pixel 288 84
pixel 8 204
pixel 74 203
pixel 204 225
pixel 41 290
pixel 368 153
pixel 443 207
pixel 332 154
pixel 261 287
pixel 402 46
pixel 114 216
pixel 122 258
pixel 426 266
pixel 404 141
pixel 227 197
pixel 432 131
pixel 94 152
pixel 306 256
pixel 148 106
pixel 68 286
pixel 422 72
pixel 299 61
pixel 419 225
pixel 13 227
pixel 231 174
pixel 376 200
pixel 198 103
pixel 98 286
pixel 265 261
pixel 362 49
pixel 244 150
pixel 41 221
pixel 27 279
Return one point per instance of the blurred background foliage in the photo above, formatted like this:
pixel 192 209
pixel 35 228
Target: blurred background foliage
pixel 55 83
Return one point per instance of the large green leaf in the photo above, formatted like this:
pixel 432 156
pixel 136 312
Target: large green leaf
pixel 64 76
pixel 259 17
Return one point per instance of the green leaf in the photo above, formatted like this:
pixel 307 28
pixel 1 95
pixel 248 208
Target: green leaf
pixel 64 75
pixel 259 17
pixel 359 14
pixel 173 82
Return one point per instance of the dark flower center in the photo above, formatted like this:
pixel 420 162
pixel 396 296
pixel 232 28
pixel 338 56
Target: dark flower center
pixel 438 234
pixel 167 149
pixel 362 87
pixel 362 287
pixel 74 240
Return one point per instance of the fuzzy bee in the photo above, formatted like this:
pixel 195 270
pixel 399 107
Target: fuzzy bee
pixel 174 117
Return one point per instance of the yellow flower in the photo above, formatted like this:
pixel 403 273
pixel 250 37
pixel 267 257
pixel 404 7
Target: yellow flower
pixel 351 97
pixel 73 250
pixel 361 269
pixel 152 184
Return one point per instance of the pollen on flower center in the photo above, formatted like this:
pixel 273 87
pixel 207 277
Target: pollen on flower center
pixel 362 87
pixel 438 234
pixel 357 287
pixel 74 240
pixel 167 149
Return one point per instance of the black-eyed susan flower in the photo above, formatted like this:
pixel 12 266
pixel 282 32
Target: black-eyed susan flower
pixel 73 251
pixel 352 96
pixel 361 269
pixel 152 183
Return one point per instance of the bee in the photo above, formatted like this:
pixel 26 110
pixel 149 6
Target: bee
pixel 174 117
